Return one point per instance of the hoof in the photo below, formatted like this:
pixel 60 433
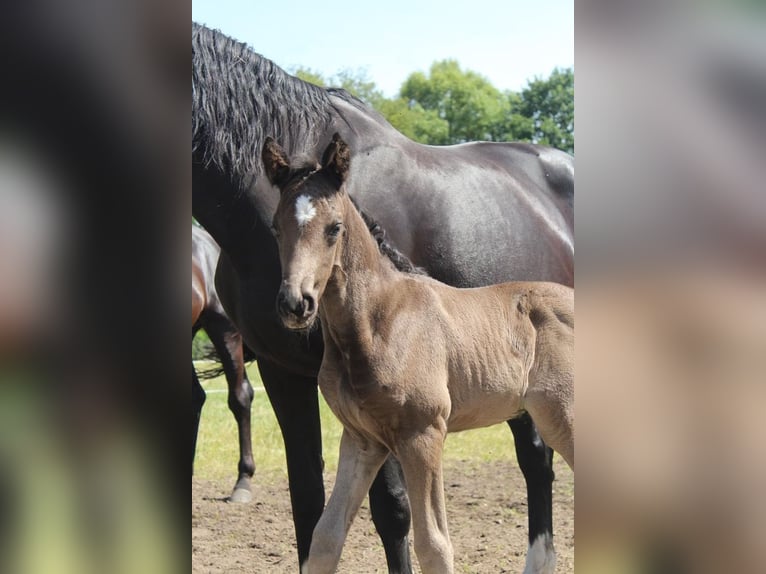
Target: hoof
pixel 541 557
pixel 241 496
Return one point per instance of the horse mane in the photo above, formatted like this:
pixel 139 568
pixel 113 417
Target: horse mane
pixel 231 136
pixel 237 95
pixel 399 259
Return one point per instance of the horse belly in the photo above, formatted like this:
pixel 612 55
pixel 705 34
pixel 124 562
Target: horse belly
pixel 484 403
pixel 484 413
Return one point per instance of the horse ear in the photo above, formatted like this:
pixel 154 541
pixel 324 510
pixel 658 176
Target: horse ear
pixel 275 163
pixel 337 159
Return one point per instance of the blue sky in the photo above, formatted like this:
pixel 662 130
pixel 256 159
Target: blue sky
pixel 507 41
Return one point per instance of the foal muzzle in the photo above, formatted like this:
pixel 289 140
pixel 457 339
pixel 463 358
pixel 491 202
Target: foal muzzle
pixel 296 309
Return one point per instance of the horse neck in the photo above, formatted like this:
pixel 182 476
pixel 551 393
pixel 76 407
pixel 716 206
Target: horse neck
pixel 353 285
pixel 235 214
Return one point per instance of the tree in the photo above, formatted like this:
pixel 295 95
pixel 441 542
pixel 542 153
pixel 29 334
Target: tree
pixel 424 126
pixel 310 76
pixel 549 104
pixel 472 107
pixel 450 105
pixel 358 83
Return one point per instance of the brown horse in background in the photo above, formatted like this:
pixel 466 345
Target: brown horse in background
pixel 208 314
pixel 408 359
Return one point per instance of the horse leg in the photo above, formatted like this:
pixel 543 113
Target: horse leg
pixel 198 399
pixel 536 463
pixel 390 509
pixel 357 466
pixel 295 403
pixel 421 458
pixel 228 343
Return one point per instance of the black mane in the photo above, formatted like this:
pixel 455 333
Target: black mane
pixel 399 259
pixel 231 136
pixel 239 97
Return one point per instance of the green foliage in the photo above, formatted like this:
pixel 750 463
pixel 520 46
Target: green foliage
pixel 472 107
pixel 310 76
pixel 201 345
pixel 424 126
pixel 450 105
pixel 359 84
pixel 550 105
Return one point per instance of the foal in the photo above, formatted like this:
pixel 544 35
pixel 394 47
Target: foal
pixel 406 358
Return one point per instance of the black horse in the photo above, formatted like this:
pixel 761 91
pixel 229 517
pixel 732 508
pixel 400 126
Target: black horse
pixel 442 206
pixel 208 314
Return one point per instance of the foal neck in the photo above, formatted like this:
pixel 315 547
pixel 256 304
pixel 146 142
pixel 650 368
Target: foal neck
pixel 362 273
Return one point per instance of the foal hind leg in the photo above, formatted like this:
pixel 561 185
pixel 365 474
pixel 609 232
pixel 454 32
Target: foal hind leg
pixel 390 509
pixel 228 344
pixel 550 397
pixel 421 458
pixel 358 464
pixel 550 403
pixel 536 463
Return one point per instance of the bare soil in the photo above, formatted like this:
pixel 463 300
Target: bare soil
pixel 486 508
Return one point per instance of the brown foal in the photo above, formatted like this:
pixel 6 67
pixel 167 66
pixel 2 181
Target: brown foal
pixel 408 359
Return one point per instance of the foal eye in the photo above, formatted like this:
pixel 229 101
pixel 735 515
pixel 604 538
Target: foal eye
pixel 333 230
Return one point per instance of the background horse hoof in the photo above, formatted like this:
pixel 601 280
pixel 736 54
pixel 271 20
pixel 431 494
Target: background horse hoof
pixel 541 557
pixel 241 496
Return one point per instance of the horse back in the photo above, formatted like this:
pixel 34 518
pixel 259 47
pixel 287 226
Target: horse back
pixel 542 168
pixel 471 214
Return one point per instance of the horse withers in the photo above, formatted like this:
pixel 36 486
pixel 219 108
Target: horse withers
pixel 208 314
pixel 408 359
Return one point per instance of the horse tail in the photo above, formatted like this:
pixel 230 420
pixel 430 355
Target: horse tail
pixel 213 366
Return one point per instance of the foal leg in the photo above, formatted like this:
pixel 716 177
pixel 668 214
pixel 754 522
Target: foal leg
pixel 555 419
pixel 357 466
pixel 198 399
pixel 228 344
pixel 421 458
pixel 390 509
pixel 550 397
pixel 536 463
pixel 295 402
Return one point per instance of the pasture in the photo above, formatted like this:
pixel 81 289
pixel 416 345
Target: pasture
pixel 486 498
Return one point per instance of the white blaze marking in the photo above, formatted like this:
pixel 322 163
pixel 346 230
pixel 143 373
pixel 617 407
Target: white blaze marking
pixel 304 210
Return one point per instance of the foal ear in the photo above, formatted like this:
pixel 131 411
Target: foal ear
pixel 275 163
pixel 336 159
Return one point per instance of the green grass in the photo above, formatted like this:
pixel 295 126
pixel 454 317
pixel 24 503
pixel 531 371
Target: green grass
pixel 218 448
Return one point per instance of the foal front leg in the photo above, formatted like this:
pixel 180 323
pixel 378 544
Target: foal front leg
pixel 357 466
pixel 421 458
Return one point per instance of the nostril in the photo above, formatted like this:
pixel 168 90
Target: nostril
pixel 300 307
pixel 308 304
pixel 282 307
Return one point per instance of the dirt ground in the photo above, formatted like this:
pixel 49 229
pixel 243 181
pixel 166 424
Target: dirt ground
pixel 486 509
